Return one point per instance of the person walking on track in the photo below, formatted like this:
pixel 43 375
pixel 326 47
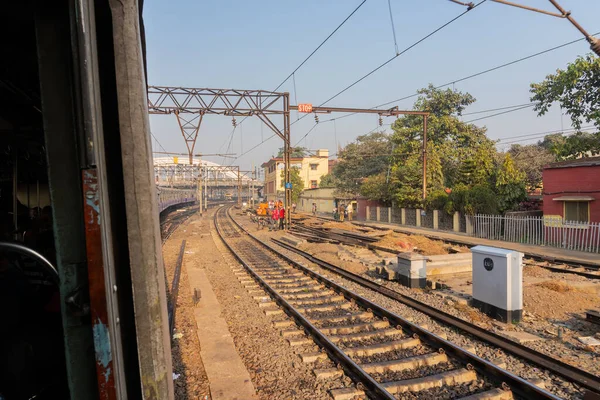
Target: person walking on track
pixel 341 211
pixel 282 218
pixel 275 218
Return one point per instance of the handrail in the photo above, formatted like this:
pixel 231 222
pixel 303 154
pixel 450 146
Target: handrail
pixel 26 251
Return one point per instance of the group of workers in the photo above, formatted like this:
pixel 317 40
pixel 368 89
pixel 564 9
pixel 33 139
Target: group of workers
pixel 342 212
pixel 277 215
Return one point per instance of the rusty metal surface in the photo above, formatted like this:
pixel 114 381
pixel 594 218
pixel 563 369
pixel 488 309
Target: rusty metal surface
pixel 97 289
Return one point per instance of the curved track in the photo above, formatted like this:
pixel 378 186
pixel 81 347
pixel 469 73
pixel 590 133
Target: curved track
pixel 386 355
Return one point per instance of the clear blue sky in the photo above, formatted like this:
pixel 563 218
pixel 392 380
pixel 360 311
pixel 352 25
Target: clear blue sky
pixel 256 44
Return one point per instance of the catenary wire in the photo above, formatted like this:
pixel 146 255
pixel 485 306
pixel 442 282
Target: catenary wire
pixel 472 75
pixel 322 43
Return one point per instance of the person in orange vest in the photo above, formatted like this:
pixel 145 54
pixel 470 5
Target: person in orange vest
pixel 282 218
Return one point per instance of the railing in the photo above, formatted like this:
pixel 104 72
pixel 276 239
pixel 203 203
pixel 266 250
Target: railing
pixel 526 229
pixel 570 235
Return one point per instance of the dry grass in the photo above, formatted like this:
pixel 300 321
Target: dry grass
pixel 557 286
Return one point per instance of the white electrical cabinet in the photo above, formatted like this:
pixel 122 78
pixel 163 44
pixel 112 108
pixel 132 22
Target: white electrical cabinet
pixel 498 282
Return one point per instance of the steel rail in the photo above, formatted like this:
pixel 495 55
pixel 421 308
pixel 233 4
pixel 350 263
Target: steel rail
pixel 350 367
pixel 175 288
pixel 537 257
pixel 518 385
pixel 569 372
pixel 560 368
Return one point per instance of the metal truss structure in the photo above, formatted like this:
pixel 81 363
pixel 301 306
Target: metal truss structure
pixel 195 103
pixel 190 105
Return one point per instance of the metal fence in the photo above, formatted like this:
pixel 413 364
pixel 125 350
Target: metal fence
pixel 568 235
pixel 396 216
pixel 411 217
pixel 372 214
pixel 445 221
pixel 427 220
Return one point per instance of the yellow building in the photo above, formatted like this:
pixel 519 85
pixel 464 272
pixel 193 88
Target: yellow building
pixel 311 168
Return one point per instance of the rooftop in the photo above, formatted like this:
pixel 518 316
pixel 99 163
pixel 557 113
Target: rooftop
pixel 580 162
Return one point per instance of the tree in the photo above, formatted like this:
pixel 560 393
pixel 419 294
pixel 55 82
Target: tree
pixel 531 159
pixel 451 143
pixel 297 152
pixel 579 144
pixel 577 90
pixel 510 185
pixel 369 155
pixel 297 183
pixel 329 181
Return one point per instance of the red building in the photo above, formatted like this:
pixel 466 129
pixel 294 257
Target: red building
pixel 572 190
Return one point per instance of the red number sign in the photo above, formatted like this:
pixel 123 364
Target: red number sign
pixel 305 108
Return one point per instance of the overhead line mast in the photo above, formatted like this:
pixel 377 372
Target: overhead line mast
pixel 594 42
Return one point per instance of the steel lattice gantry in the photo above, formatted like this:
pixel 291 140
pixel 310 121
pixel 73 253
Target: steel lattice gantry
pixel 190 105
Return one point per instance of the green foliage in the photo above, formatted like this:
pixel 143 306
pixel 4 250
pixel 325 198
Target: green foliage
pixel 479 199
pixel 531 159
pixel 451 144
pixel 297 152
pixel 368 156
pixel 579 144
pixel 437 200
pixel 297 183
pixel 576 89
pixel 376 187
pixel 510 185
pixel 328 181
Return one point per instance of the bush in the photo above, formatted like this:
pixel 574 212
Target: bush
pixel 437 200
pixel 481 200
pixel 458 199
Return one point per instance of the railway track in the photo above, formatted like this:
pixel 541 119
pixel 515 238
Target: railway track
pixel 387 356
pixel 174 219
pixel 588 271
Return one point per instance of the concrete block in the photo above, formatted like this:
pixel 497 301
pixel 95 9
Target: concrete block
pixel 521 337
pixel 293 240
pixel 411 270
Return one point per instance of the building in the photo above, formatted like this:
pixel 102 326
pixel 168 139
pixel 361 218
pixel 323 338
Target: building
pixel 325 199
pixel 311 168
pixel 572 190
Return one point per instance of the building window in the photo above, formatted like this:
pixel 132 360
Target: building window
pixel 313 184
pixel 314 167
pixel 578 211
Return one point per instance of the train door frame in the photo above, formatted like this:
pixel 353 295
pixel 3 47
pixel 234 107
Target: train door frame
pixel 93 99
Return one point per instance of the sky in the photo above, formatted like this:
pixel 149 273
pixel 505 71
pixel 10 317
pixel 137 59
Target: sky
pixel 257 44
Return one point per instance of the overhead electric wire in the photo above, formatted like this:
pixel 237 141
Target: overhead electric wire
pixel 543 134
pixel 491 69
pixel 301 64
pixel 500 113
pixel 400 53
pixel 393 27
pixel 322 43
pixel 471 76
pixel 390 60
pixel 498 109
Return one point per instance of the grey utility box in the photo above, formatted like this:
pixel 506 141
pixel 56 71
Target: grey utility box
pixel 498 282
pixel 411 270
